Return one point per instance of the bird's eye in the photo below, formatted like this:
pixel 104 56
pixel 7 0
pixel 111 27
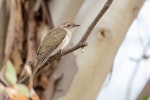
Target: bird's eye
pixel 68 25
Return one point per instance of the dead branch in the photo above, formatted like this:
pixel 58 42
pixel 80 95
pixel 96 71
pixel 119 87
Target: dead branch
pixel 60 54
pixel 4 18
pixel 29 30
pixel 16 53
pixel 48 94
pixel 82 42
pixel 47 14
pixel 98 17
pixel 31 38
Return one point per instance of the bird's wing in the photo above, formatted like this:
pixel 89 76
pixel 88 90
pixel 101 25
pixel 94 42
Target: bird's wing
pixel 50 42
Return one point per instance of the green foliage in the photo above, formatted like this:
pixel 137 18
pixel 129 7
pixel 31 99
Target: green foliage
pixel 145 98
pixel 1 88
pixel 10 73
pixel 11 79
pixel 23 90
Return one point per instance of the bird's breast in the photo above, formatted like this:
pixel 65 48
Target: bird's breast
pixel 66 41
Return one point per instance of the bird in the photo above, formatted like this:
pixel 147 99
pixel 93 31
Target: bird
pixel 55 40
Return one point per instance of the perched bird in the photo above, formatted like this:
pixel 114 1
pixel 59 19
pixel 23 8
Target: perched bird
pixel 55 40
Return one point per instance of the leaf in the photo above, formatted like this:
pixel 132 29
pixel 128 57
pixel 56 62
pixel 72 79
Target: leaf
pixel 1 88
pixel 22 89
pixel 145 98
pixel 10 73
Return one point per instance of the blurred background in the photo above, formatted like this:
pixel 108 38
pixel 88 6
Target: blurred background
pixel 114 66
pixel 131 68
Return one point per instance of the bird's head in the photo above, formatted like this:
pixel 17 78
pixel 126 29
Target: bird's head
pixel 68 26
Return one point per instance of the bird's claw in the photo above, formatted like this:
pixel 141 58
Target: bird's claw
pixel 60 52
pixel 82 46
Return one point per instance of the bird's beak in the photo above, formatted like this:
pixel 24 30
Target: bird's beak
pixel 76 25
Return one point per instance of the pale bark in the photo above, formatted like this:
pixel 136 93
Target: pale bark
pixel 84 73
pixel 64 10
pixel 101 51
pixel 94 64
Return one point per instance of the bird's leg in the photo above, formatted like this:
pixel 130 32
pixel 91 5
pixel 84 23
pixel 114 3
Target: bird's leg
pixel 82 46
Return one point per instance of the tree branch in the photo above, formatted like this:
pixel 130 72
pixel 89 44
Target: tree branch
pixel 98 17
pixel 4 20
pixel 82 42
pixel 60 54
pixel 47 14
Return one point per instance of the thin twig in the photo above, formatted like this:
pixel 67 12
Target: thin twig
pixel 60 54
pixel 47 14
pixel 98 17
pixel 4 16
pixel 82 42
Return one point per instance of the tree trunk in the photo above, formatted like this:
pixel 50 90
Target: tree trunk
pixel 84 73
pixel 78 76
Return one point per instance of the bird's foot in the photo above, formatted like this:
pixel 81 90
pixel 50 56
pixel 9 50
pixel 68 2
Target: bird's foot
pixel 60 52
